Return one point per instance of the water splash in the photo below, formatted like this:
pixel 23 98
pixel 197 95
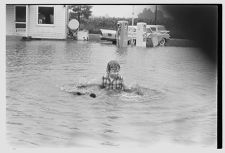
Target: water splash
pixel 135 93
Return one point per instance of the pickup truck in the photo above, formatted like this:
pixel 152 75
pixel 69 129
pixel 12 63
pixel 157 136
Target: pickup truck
pixel 158 31
pixel 109 35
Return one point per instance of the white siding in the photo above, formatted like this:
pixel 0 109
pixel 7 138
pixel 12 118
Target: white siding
pixel 10 18
pixel 56 31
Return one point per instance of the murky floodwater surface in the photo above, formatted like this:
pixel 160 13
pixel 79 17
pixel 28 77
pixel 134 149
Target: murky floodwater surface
pixel 178 104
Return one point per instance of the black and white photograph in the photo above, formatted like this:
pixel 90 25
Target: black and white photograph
pixel 112 75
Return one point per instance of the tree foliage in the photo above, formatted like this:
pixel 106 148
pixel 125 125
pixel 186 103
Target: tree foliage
pixel 149 15
pixel 80 12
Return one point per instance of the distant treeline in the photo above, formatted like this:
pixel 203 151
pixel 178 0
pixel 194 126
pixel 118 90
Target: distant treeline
pixel 94 25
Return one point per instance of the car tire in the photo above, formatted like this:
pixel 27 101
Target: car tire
pixel 162 42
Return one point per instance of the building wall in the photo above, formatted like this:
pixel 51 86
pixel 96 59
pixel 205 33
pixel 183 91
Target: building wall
pixel 10 18
pixel 55 31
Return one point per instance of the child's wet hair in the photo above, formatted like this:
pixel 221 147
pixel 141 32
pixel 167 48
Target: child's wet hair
pixel 111 64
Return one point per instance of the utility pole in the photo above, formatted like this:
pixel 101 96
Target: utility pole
pixel 156 14
pixel 132 41
pixel 79 12
pixel 133 15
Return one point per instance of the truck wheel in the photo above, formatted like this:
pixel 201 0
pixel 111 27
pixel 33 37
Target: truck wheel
pixel 162 42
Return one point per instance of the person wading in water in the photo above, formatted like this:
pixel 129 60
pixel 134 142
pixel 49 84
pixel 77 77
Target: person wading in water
pixel 112 79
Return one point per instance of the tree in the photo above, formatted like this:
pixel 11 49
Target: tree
pixel 148 15
pixel 80 12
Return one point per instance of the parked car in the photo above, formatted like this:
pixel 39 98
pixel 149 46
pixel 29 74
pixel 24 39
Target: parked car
pixel 159 31
pixel 109 35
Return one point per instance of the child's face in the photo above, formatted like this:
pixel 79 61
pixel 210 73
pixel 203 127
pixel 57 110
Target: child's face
pixel 113 72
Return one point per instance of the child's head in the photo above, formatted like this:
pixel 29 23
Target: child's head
pixel 113 67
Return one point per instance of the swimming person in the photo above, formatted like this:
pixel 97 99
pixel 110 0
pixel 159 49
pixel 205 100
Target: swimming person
pixel 112 79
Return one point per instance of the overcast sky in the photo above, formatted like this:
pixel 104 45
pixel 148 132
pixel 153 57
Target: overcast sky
pixel 118 10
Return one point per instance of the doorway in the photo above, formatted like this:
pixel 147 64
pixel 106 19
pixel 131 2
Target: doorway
pixel 20 20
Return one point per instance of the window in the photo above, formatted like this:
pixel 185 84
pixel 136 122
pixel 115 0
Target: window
pixel 161 28
pixel 148 30
pixel 20 14
pixel 45 15
pixel 153 29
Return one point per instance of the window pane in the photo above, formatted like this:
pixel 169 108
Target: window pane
pixel 45 15
pixel 20 25
pixel 20 14
pixel 161 28
pixel 153 28
pixel 149 30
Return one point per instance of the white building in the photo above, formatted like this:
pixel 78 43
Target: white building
pixel 37 21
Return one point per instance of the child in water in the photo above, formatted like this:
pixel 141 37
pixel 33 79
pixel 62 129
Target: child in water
pixel 112 79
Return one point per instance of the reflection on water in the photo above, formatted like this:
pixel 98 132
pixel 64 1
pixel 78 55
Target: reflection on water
pixel 178 104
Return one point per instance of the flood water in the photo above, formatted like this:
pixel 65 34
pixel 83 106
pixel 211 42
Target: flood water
pixel 178 106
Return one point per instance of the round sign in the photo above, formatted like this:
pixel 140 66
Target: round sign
pixel 73 24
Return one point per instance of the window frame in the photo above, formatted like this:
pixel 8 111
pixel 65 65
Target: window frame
pixel 45 25
pixel 154 28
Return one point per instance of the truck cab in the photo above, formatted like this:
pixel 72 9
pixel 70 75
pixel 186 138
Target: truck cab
pixel 158 31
